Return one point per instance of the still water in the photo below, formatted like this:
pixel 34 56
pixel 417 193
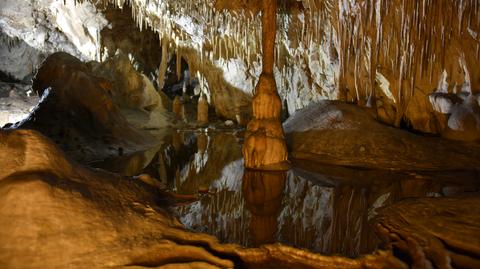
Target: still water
pixel 326 209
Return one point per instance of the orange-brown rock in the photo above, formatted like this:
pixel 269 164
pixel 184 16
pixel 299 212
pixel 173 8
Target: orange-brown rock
pixel 264 141
pixel 202 110
pixel 127 82
pixel 78 111
pixel 178 107
pixel 338 133
pixel 433 232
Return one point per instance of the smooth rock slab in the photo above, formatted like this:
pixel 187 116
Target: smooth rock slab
pixel 434 232
pixel 337 133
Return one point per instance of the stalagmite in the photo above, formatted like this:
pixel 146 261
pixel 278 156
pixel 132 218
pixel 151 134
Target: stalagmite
pixel 202 110
pixel 265 146
pixel 178 108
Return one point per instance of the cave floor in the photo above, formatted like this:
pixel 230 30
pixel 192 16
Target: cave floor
pixel 323 208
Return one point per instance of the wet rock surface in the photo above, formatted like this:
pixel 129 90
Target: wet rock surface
pixel 434 233
pixel 337 133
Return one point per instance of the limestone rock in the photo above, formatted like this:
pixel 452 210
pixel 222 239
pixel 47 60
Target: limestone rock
pixel 338 133
pixel 434 232
pixel 78 112
pixel 264 140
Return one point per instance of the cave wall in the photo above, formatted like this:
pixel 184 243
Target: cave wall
pixel 32 30
pixel 414 47
pixel 389 56
pixel 123 34
pixel 411 63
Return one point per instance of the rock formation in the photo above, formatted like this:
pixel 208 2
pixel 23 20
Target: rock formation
pixel 433 233
pixel 178 108
pixel 369 89
pixel 324 50
pixel 78 112
pixel 202 110
pixel 337 133
pixel 138 100
pixel 264 140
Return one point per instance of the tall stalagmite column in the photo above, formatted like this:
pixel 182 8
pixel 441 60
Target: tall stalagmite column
pixel 264 146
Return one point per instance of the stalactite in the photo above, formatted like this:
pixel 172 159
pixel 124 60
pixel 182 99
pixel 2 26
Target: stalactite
pixel 162 70
pixel 178 65
pixel 369 37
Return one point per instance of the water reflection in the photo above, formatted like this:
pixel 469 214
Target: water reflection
pixel 326 209
pixel 263 195
pixel 131 164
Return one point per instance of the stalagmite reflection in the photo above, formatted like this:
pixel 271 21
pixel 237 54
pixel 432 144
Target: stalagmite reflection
pixel 202 143
pixel 263 195
pixel 177 140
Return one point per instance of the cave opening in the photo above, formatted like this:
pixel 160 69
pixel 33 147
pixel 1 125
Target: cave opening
pixel 239 134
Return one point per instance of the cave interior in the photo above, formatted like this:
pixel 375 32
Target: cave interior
pixel 188 134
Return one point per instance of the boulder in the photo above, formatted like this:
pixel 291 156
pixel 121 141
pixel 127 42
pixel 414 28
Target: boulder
pixel 337 133
pixel 78 112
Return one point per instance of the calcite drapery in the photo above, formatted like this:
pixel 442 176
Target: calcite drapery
pixel 265 146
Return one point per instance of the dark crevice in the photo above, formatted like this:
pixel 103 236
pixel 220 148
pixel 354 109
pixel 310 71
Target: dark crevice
pixel 459 251
pixel 169 261
pixel 239 263
pixel 402 255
